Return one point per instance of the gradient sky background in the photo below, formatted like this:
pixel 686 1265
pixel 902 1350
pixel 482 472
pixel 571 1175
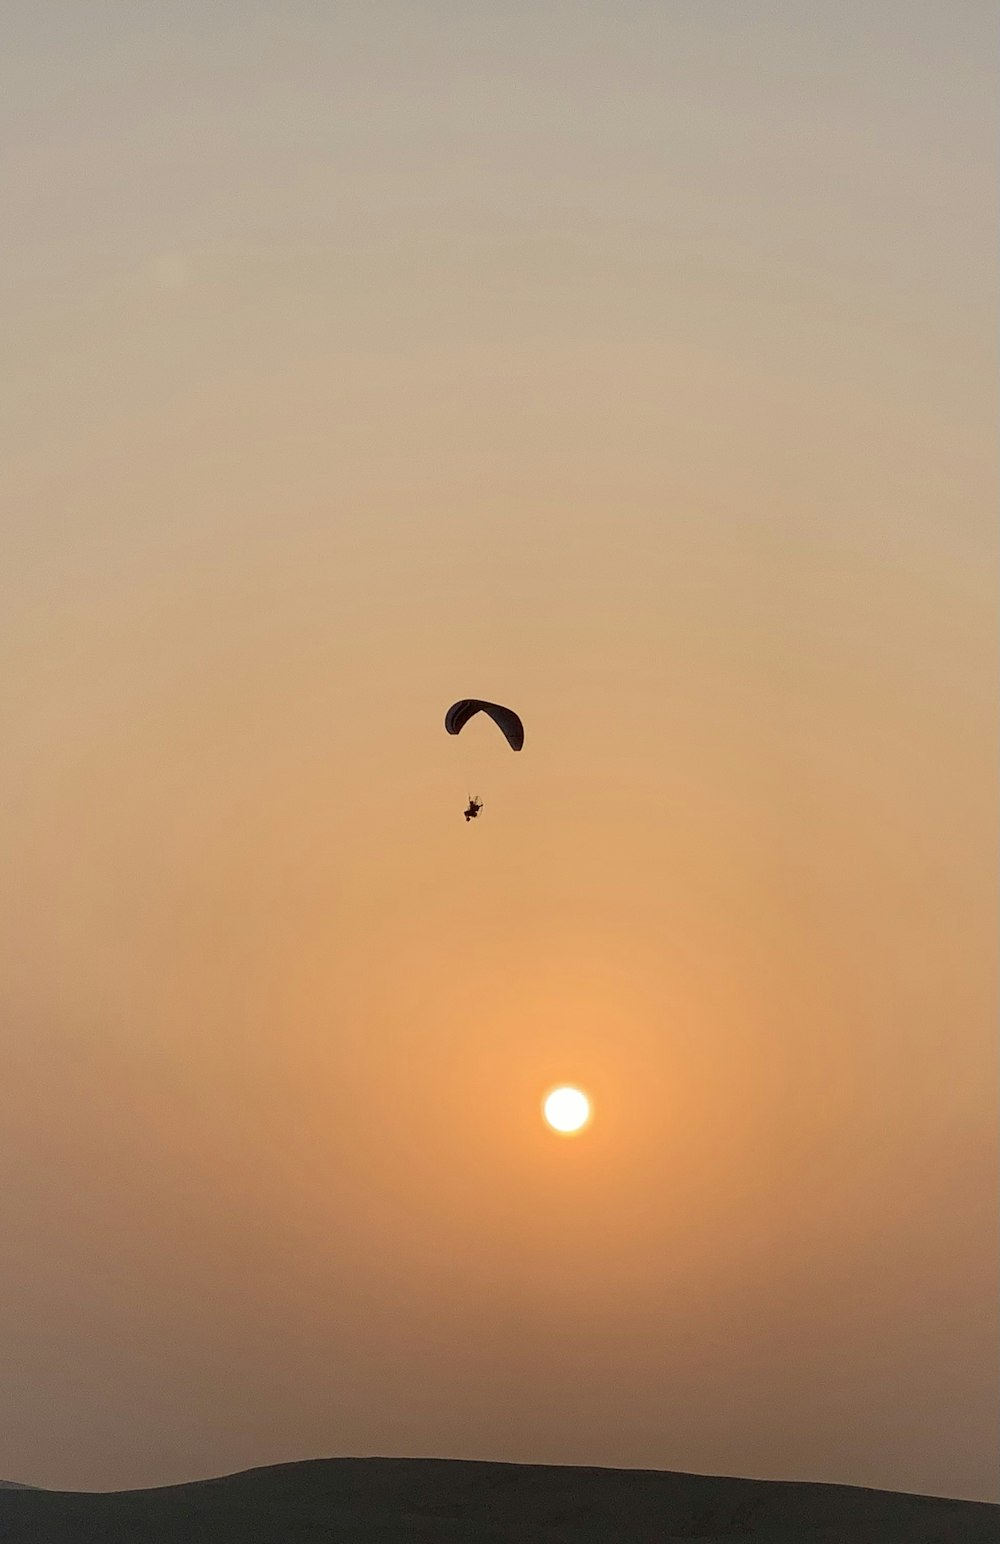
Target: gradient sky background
pixel 630 363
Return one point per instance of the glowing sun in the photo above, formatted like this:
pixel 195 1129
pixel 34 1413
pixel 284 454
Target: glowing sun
pixel 566 1110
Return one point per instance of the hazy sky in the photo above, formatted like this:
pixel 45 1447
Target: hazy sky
pixel 633 364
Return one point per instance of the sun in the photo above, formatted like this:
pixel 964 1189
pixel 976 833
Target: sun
pixel 567 1110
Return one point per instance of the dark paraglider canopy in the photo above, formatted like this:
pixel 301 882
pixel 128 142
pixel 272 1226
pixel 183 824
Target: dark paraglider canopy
pixel 506 719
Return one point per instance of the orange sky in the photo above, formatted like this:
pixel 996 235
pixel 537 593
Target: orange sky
pixel 633 365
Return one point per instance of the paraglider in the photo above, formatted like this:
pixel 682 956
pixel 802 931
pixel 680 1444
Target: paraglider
pixel 506 720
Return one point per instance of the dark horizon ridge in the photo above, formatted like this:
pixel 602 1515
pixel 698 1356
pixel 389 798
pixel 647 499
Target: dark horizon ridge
pixel 379 1500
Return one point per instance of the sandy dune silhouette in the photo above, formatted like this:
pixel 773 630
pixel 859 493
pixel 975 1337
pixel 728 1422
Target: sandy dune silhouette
pixel 382 1500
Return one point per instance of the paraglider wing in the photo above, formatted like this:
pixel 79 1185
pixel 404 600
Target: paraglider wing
pixel 506 719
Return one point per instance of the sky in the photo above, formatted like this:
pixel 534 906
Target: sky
pixel 634 365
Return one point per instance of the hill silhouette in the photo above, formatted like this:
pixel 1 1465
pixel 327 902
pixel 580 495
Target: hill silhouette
pixel 385 1500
